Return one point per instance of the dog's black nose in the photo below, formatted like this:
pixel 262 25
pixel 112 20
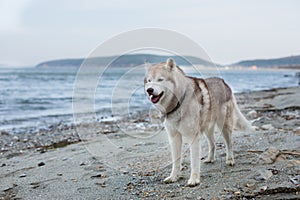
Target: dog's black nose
pixel 150 90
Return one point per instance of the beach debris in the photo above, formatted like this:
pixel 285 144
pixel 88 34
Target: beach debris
pixel 281 157
pixel 263 174
pixel 269 156
pixel 99 176
pixel 274 171
pixel 101 183
pixel 101 168
pixel 35 185
pixel 226 190
pixel 59 174
pixel 3 165
pixel 41 164
pixel 252 114
pixel 267 127
pixel 237 193
pixel 41 150
pixel 295 180
pixel 294 163
pixel 22 175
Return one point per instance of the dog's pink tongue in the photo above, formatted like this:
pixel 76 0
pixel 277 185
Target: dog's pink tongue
pixel 154 99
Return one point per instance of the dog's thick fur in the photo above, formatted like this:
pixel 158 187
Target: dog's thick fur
pixel 192 106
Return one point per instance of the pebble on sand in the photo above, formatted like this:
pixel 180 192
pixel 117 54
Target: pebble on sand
pixel 22 175
pixel 267 127
pixel 252 114
pixel 41 164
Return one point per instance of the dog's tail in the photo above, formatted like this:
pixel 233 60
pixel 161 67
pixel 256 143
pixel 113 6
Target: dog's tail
pixel 240 122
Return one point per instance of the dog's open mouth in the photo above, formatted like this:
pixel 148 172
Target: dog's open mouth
pixel 156 98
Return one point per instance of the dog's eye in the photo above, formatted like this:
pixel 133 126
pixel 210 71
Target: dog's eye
pixel 160 79
pixel 149 80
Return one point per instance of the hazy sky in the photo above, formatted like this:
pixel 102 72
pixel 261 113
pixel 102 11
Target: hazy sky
pixel 32 31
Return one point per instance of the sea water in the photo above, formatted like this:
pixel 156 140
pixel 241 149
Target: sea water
pixel 39 97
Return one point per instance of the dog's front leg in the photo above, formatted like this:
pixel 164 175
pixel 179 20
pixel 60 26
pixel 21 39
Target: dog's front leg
pixel 175 140
pixel 195 163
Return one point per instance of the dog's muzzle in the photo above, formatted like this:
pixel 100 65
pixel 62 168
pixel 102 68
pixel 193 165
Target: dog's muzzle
pixel 154 98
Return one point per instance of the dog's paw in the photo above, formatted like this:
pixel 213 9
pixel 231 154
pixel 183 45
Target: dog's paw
pixel 170 179
pixel 208 160
pixel 230 161
pixel 194 180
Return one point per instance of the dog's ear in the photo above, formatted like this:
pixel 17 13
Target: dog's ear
pixel 170 64
pixel 147 65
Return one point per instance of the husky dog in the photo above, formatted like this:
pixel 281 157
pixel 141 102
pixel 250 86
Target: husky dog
pixel 192 106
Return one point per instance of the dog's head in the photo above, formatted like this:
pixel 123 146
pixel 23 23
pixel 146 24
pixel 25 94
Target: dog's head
pixel 160 84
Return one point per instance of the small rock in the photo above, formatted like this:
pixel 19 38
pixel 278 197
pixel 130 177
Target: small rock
pixel 297 131
pixel 263 175
pixel 64 159
pixel 101 183
pixel 59 174
pixel 251 186
pixel 3 165
pixel 263 188
pixel 267 127
pixel 16 138
pixel 35 185
pixel 268 156
pixel 82 164
pixel 41 164
pixel 4 133
pixel 42 150
pixel 252 114
pixel 22 175
pixel 256 128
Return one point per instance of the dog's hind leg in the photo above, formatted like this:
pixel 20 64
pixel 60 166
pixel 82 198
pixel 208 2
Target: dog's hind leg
pixel 227 132
pixel 211 141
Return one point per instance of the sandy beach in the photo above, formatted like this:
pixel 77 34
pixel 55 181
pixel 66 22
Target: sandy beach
pixel 100 161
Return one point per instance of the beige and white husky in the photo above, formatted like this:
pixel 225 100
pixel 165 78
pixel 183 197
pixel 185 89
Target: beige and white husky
pixel 192 106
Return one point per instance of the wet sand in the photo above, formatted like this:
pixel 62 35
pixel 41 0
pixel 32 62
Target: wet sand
pixel 129 159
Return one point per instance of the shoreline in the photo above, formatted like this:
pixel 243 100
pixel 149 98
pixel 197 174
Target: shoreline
pixel 62 163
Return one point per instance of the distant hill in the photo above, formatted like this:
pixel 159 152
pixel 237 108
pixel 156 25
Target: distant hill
pixel 122 61
pixel 285 62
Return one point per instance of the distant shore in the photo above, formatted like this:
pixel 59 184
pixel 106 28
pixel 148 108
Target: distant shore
pixel 58 162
